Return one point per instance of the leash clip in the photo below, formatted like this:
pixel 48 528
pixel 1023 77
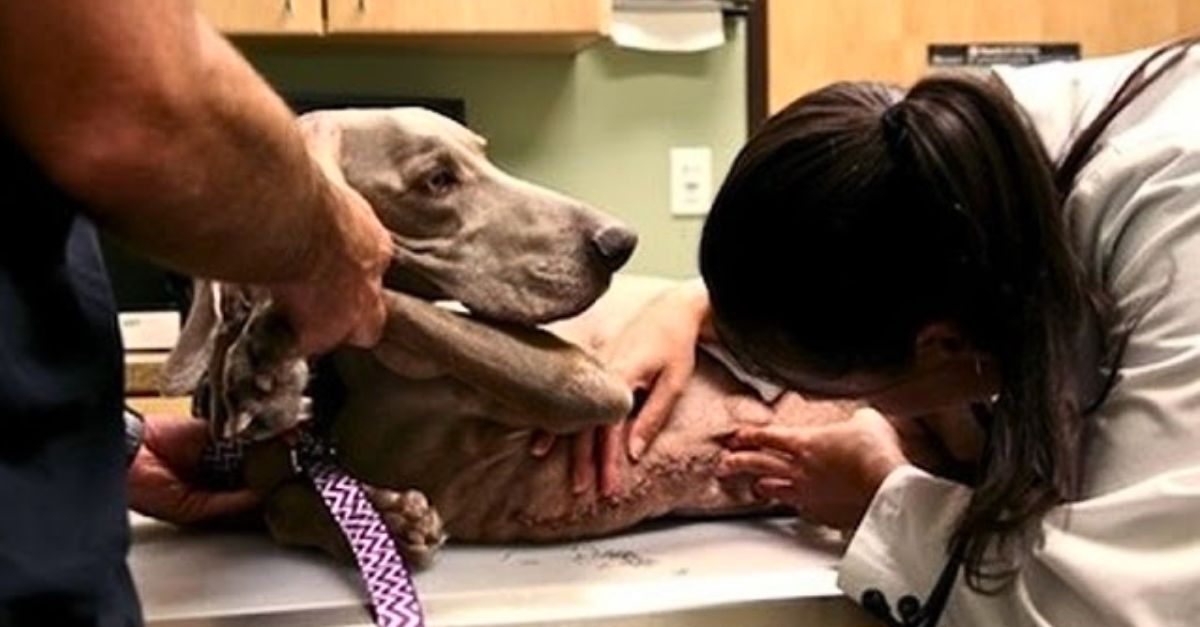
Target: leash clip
pixel 308 449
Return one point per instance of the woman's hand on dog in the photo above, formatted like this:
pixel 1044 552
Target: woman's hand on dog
pixel 828 473
pixel 595 454
pixel 655 355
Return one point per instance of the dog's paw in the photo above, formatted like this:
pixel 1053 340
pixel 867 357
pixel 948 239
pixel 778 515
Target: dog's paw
pixel 414 524
pixel 263 387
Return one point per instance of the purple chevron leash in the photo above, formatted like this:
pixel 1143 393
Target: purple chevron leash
pixel 393 597
pixel 389 583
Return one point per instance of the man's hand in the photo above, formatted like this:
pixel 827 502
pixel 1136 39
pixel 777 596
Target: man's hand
pixel 162 479
pixel 341 300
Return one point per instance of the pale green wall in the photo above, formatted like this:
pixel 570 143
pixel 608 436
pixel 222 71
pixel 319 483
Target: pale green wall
pixel 597 125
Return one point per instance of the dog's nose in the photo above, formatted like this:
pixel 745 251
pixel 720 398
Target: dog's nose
pixel 615 244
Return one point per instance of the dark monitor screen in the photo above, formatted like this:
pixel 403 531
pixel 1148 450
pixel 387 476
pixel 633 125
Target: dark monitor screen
pixel 449 107
pixel 140 285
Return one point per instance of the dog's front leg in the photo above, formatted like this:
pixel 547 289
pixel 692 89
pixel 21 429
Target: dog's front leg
pixel 296 514
pixel 546 381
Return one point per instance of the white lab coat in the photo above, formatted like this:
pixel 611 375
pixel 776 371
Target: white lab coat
pixel 1127 553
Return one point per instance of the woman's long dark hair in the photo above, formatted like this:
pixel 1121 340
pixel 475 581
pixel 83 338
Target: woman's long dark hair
pixel 860 214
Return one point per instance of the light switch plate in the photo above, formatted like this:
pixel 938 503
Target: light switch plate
pixel 691 181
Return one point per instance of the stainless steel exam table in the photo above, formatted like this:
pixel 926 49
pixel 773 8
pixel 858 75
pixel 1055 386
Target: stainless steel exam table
pixel 746 572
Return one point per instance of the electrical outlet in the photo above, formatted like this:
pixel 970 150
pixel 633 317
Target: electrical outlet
pixel 691 181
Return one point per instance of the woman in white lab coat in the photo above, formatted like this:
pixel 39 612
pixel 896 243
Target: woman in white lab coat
pixel 1007 271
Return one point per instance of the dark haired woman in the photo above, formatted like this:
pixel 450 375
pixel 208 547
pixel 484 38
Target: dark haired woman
pixel 1005 268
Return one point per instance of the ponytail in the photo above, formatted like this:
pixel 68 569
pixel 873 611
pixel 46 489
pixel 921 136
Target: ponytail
pixel 979 161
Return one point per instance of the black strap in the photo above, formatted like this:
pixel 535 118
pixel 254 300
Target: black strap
pixel 135 433
pixel 909 610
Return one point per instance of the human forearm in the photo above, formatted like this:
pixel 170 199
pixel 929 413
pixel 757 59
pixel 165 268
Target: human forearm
pixel 256 195
pixel 147 116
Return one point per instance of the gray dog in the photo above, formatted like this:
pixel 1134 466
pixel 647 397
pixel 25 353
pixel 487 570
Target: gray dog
pixel 438 418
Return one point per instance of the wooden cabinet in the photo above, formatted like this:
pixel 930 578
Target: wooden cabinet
pixel 811 43
pixel 506 25
pixel 265 17
pixel 489 24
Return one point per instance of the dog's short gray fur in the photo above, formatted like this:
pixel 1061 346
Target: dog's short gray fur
pixel 446 405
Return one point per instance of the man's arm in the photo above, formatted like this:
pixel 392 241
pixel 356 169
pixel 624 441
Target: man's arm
pixel 173 142
pixel 175 145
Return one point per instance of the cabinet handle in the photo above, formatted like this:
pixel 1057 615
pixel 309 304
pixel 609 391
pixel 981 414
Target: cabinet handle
pixel 288 9
pixel 362 6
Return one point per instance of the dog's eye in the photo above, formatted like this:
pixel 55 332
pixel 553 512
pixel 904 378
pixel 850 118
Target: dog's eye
pixel 440 181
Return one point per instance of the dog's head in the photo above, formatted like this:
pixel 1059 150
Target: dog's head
pixel 464 230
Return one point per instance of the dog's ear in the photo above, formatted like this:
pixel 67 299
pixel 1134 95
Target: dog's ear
pixel 322 132
pixel 192 353
pixel 479 142
pixel 541 378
